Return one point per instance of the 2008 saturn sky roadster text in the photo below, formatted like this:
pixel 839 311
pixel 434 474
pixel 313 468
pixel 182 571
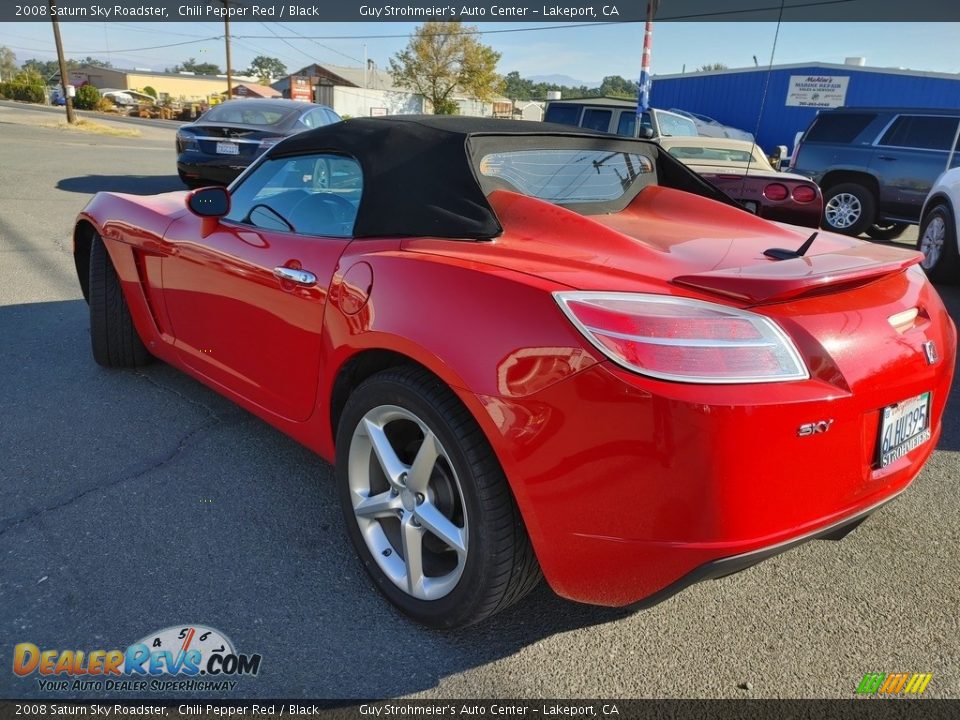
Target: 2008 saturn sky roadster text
pixel 533 349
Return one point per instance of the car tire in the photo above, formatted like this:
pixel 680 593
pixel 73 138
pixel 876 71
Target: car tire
pixel 886 230
pixel 848 208
pixel 938 242
pixel 113 337
pixel 456 510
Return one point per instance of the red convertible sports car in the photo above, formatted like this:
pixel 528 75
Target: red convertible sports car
pixel 532 349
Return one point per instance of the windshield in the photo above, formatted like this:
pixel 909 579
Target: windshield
pixel 247 113
pixel 707 155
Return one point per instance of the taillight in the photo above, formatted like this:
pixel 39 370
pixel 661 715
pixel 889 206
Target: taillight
pixel 268 143
pixel 776 191
pixel 187 142
pixel 684 340
pixel 804 194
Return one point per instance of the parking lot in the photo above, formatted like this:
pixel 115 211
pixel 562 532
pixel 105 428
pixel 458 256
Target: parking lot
pixel 132 501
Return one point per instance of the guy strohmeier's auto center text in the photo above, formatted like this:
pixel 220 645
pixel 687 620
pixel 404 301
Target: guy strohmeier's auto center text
pixel 308 10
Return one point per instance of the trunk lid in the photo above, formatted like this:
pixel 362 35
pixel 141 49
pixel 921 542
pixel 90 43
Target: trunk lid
pixel 669 236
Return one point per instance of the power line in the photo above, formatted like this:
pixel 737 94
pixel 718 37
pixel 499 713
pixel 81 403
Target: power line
pixel 462 32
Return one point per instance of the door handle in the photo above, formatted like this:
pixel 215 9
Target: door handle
pixel 885 157
pixel 300 277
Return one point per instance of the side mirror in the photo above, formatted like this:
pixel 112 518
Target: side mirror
pixel 646 133
pixel 209 202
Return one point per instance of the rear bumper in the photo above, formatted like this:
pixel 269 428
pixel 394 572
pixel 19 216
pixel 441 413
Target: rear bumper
pixel 722 567
pixel 220 169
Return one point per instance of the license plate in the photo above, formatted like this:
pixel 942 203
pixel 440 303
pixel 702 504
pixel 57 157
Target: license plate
pixel 228 148
pixel 905 426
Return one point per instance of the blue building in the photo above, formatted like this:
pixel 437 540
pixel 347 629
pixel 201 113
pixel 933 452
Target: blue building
pixel 786 98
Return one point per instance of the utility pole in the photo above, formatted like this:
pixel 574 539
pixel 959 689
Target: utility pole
pixel 226 30
pixel 64 79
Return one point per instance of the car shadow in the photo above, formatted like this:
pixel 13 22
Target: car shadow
pixel 134 500
pixel 131 184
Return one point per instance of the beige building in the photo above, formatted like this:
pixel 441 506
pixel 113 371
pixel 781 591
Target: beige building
pixel 175 86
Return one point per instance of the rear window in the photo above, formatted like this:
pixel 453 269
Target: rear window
pixel 839 128
pixel 710 153
pixel 928 132
pixel 565 114
pixel 246 114
pixel 569 176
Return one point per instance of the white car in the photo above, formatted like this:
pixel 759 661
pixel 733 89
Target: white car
pixel 938 229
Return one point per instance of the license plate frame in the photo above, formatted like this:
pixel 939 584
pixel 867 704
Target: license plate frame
pixel 904 426
pixel 227 148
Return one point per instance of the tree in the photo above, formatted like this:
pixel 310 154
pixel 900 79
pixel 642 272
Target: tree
pixel 29 76
pixel 45 68
pixel 92 62
pixel 8 63
pixel 200 68
pixel 443 58
pixel 266 69
pixel 616 86
pixel 711 66
pixel 148 90
pixel 516 87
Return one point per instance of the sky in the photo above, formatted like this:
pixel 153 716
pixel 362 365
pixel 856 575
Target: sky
pixel 586 54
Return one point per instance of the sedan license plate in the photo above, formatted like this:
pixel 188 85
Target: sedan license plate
pixel 905 426
pixel 228 148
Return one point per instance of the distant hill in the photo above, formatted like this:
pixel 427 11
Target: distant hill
pixel 565 80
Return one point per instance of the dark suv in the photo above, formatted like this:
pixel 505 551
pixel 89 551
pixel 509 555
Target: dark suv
pixel 876 165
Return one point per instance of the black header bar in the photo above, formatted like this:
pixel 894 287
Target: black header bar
pixel 473 11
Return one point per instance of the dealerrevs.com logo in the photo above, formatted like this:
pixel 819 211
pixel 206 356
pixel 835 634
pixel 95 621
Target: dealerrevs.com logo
pixel 180 658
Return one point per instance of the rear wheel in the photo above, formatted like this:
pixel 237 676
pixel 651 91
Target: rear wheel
pixel 886 230
pixel 848 208
pixel 938 243
pixel 426 504
pixel 113 337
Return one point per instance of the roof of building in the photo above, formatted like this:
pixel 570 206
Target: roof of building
pixel 375 78
pixel 823 65
pixel 179 75
pixel 264 91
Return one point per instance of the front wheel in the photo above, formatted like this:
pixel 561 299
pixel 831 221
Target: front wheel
pixel 427 505
pixel 113 337
pixel 848 208
pixel 938 243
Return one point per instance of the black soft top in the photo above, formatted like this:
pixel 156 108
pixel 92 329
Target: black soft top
pixel 419 175
pixel 418 179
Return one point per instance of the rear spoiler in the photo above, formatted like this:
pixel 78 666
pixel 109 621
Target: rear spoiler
pixel 775 281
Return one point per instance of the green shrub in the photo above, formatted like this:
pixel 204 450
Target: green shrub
pixel 25 93
pixel 150 91
pixel 87 98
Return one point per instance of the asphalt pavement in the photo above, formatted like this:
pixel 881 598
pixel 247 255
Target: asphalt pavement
pixel 131 501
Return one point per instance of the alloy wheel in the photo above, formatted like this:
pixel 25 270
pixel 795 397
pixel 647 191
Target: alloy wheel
pixel 408 502
pixel 931 242
pixel 843 210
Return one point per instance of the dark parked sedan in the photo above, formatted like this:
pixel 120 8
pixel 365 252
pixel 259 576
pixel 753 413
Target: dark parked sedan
pixel 227 138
